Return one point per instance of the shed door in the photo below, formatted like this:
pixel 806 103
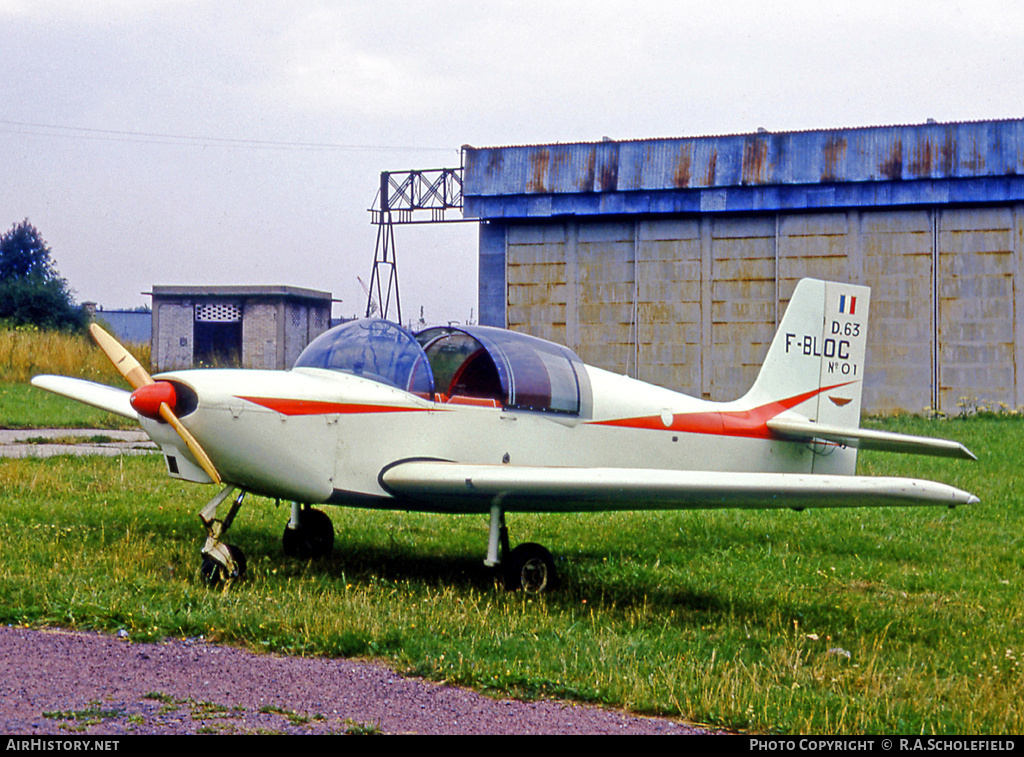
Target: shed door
pixel 217 335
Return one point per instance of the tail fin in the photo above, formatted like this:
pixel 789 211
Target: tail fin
pixel 816 361
pixel 815 365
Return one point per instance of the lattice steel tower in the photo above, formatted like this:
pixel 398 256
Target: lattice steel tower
pixel 403 198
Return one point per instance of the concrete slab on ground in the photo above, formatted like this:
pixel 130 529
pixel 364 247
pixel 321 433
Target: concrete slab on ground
pixel 49 442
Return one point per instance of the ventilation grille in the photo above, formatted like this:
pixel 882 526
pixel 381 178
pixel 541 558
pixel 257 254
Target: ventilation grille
pixel 218 312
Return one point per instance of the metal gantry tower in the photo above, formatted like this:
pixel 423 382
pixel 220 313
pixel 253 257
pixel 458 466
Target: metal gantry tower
pixel 404 198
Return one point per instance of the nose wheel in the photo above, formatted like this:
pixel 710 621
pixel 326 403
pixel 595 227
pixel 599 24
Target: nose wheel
pixel 215 573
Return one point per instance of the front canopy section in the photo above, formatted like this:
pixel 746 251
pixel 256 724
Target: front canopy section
pixel 467 365
pixel 373 349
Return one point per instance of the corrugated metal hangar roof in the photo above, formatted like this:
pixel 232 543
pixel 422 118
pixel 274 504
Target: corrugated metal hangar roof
pixel 925 164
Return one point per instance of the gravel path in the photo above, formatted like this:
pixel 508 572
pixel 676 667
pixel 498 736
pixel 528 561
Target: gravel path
pixel 60 682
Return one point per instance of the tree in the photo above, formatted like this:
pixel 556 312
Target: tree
pixel 31 290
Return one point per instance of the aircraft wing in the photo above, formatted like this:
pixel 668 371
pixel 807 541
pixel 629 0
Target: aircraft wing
pixel 108 398
pixel 864 438
pixel 463 486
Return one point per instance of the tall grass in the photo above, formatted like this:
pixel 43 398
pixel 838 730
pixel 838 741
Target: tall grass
pixel 26 352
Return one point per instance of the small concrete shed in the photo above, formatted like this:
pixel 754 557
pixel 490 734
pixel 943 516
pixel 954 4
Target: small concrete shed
pixel 242 326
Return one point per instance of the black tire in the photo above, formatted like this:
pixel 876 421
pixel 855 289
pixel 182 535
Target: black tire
pixel 312 539
pixel 530 567
pixel 215 574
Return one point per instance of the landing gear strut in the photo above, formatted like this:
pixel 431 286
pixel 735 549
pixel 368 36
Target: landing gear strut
pixel 221 561
pixel 529 566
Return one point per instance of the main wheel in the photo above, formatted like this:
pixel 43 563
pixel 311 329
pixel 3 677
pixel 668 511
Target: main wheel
pixel 214 574
pixel 313 538
pixel 531 568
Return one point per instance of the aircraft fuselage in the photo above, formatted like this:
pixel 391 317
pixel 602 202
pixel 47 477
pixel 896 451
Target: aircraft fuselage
pixel 318 436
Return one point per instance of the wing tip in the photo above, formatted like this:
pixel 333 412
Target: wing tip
pixel 107 398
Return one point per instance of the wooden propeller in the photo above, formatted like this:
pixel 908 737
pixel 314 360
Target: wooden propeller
pixel 138 377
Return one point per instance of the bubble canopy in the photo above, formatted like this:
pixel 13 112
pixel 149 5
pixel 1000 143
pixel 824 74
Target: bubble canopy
pixel 451 364
pixel 374 349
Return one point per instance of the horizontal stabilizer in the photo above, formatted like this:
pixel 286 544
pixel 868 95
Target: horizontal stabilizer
pixel 470 487
pixel 863 438
pixel 108 398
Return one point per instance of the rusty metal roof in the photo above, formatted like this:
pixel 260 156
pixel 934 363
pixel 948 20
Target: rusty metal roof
pixel 935 152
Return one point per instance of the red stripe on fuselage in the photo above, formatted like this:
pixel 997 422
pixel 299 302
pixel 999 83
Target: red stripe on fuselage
pixel 749 423
pixel 317 407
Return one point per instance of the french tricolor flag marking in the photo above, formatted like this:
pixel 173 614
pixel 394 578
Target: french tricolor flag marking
pixel 847 305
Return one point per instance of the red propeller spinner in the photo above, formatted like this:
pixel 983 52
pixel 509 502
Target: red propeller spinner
pixel 147 398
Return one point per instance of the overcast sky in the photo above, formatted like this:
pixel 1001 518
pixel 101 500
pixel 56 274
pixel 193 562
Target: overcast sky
pixel 213 142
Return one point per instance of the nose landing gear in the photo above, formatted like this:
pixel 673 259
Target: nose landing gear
pixel 221 561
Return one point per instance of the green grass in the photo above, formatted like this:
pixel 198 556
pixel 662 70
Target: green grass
pixel 25 406
pixel 903 620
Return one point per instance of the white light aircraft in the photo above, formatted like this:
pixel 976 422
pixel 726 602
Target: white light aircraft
pixel 483 420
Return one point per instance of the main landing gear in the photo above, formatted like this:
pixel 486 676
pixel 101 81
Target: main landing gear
pixel 308 535
pixel 529 566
